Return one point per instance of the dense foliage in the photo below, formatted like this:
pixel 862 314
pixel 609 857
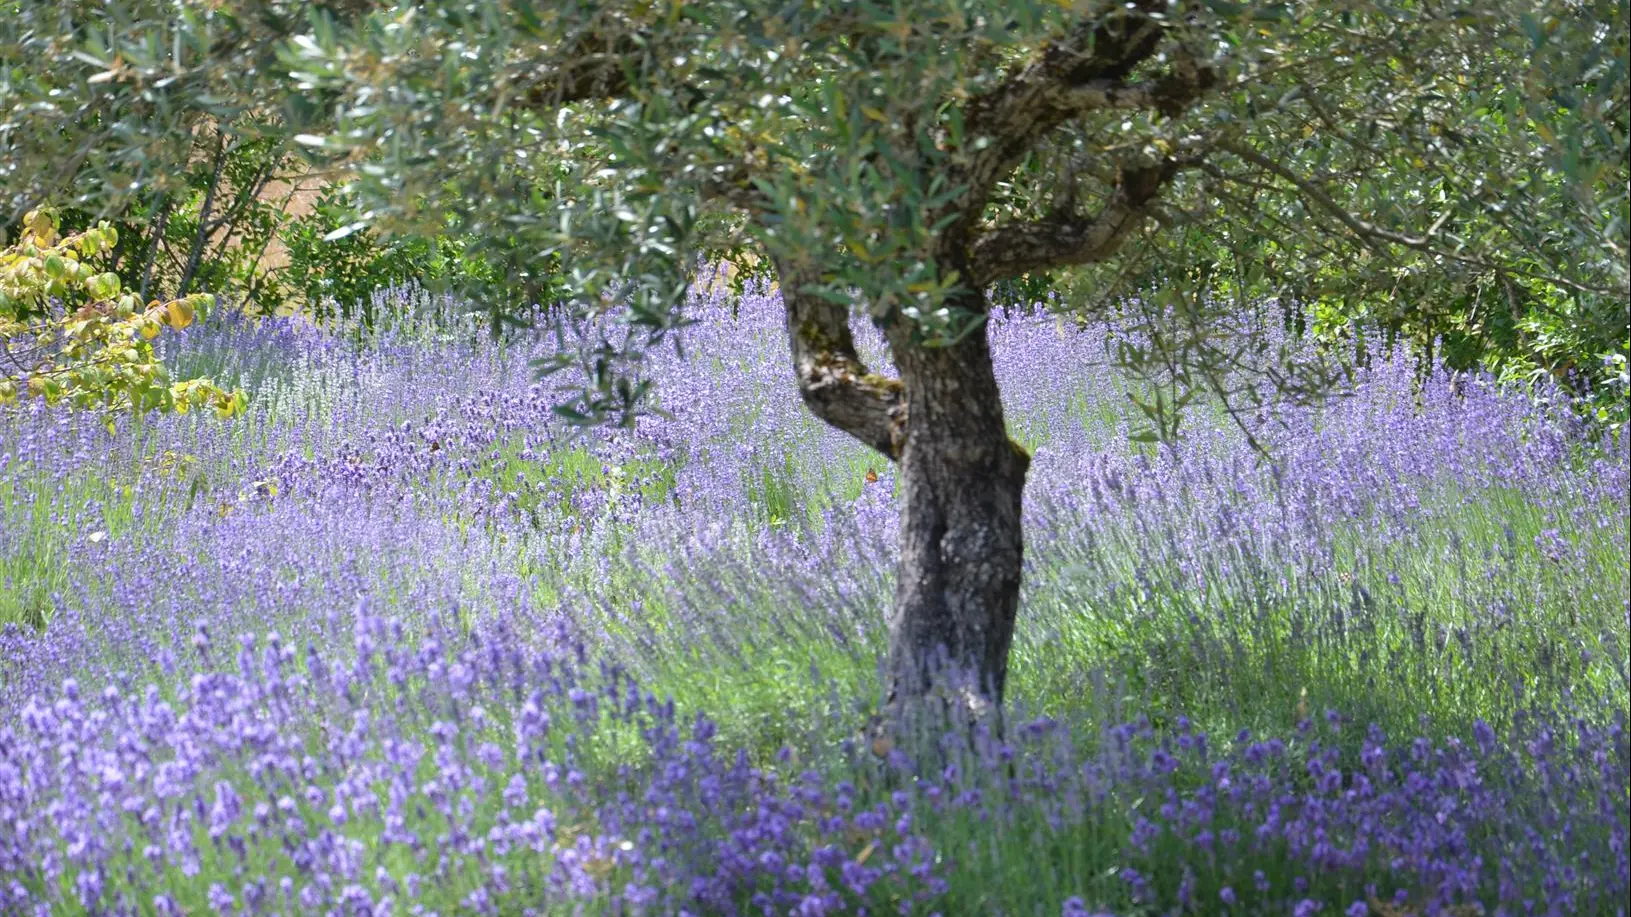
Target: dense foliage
pixel 234 226
pixel 1363 163
pixel 1447 172
pixel 72 334
pixel 336 263
pixel 387 641
pixel 1482 173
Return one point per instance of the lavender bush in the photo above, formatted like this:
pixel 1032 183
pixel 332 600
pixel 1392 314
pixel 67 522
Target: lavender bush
pixel 401 642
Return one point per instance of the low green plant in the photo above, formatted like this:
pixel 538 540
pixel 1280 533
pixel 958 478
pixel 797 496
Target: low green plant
pixel 335 265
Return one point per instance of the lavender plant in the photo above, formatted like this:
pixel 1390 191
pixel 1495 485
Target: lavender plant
pixel 401 641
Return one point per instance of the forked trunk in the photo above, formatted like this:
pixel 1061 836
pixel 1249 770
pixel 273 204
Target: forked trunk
pixel 961 544
pixel 957 592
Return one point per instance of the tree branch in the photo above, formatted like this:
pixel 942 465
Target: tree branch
pixel 834 383
pixel 244 196
pixel 1370 233
pixel 157 241
pixel 202 233
pixel 1081 73
pixel 736 189
pixel 596 67
pixel 1066 239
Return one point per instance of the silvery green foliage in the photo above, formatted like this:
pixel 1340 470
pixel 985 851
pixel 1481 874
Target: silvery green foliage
pixel 101 102
pixel 1432 168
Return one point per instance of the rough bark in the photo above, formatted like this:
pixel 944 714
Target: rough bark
pixel 962 479
pixel 834 383
pixel 1083 71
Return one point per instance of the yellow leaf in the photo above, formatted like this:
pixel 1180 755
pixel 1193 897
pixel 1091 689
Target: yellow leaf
pixel 41 226
pixel 874 114
pixel 230 406
pixel 180 313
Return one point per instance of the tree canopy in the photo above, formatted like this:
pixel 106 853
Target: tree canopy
pixel 1435 169
pixel 1445 170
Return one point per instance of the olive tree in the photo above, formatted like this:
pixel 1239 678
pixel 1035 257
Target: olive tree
pixel 901 160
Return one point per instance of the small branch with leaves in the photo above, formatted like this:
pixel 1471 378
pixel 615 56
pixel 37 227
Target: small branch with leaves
pixel 1084 72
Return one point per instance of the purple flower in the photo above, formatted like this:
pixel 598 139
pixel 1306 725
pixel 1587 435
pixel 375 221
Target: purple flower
pixel 455 625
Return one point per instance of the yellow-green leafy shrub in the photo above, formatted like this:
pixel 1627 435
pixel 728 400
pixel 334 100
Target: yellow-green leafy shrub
pixel 73 335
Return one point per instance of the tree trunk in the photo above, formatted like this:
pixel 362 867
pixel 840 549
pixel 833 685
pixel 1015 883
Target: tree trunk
pixel 202 233
pixel 957 592
pixel 962 479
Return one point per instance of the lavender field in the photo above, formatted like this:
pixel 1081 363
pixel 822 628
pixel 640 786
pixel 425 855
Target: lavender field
pixel 400 641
